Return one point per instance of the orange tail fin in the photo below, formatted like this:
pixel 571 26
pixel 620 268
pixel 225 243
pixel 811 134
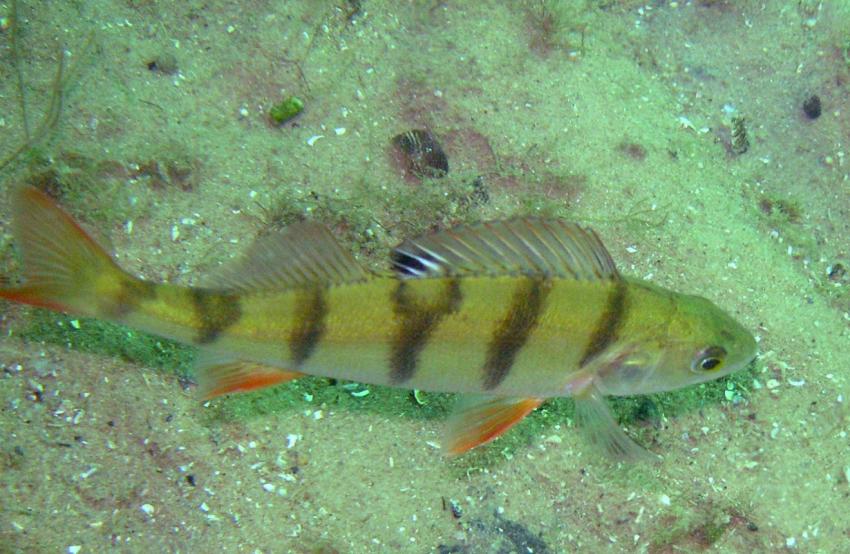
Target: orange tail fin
pixel 65 269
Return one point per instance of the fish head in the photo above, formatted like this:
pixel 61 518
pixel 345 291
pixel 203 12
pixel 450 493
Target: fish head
pixel 696 342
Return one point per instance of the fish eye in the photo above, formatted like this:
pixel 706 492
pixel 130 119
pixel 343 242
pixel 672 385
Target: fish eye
pixel 709 359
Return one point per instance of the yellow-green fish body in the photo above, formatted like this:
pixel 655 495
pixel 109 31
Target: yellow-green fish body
pixel 515 311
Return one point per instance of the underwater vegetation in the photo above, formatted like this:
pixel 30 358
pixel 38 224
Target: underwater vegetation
pixel 740 140
pixel 94 185
pixel 285 110
pixel 92 335
pixel 63 77
pixel 553 25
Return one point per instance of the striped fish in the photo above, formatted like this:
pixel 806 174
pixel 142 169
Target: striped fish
pixel 508 312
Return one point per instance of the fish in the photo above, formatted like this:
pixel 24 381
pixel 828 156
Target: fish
pixel 506 313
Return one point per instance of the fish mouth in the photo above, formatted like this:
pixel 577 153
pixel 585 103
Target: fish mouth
pixel 750 348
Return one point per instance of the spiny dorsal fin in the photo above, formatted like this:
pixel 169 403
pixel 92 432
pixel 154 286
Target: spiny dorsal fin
pixel 524 246
pixel 303 254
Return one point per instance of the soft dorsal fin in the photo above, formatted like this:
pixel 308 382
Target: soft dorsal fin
pixel 302 254
pixel 524 246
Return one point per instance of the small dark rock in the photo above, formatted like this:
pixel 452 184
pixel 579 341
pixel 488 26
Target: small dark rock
pixel 522 538
pixel 455 508
pixel 837 272
pixel 452 549
pixel 812 107
pixel 633 150
pixel 165 64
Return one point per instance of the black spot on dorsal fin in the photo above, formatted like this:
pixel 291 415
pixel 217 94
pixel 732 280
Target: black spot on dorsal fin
pixel 416 263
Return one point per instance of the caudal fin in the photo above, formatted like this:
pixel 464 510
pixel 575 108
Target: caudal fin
pixel 65 269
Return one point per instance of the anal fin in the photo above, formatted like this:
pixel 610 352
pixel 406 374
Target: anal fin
pixel 239 376
pixel 480 420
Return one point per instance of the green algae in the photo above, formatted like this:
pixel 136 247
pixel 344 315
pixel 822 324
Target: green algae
pixel 286 110
pixel 107 339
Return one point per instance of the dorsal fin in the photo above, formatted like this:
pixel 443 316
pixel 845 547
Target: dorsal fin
pixel 302 254
pixel 524 246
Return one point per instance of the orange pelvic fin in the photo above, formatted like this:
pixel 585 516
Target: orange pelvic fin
pixel 65 269
pixel 483 419
pixel 239 376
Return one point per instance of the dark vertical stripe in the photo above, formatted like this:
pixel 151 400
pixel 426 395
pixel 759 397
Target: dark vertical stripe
pixel 311 309
pixel 416 321
pixel 512 332
pixel 131 292
pixel 608 326
pixel 215 312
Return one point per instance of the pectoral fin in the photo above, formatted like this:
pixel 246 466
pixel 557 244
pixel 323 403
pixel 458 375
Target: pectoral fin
pixel 478 421
pixel 598 425
pixel 218 376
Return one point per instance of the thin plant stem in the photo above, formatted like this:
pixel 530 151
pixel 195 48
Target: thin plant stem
pixel 16 58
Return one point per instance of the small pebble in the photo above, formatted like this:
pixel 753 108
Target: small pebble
pixel 836 272
pixel 812 107
pixel 165 64
pixel 148 509
pixel 455 508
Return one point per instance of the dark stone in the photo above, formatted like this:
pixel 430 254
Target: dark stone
pixel 812 107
